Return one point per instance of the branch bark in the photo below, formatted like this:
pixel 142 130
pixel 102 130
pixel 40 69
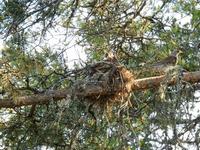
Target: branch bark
pixel 134 84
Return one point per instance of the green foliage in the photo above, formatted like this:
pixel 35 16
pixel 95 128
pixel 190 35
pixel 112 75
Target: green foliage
pixel 23 73
pixel 139 32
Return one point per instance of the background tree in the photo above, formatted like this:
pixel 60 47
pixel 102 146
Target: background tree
pixel 138 32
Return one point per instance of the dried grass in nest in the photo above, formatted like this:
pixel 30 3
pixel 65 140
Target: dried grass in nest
pixel 106 84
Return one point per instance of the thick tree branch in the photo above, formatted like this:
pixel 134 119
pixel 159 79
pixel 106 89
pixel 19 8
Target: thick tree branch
pixel 94 90
pixel 146 83
pixel 35 99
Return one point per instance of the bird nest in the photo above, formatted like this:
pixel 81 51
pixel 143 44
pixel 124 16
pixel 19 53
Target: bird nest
pixel 105 83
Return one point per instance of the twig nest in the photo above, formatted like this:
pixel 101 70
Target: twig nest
pixel 105 81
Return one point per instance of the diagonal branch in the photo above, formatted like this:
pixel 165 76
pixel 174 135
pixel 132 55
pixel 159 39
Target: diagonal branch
pixel 94 90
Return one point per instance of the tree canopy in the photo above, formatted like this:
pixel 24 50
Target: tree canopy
pixel 99 103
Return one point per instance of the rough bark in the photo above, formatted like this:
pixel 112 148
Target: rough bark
pixel 132 85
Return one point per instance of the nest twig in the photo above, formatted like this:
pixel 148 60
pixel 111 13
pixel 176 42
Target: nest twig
pixel 105 82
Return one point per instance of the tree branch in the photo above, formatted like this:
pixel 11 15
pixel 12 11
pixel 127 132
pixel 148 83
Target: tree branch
pixel 94 90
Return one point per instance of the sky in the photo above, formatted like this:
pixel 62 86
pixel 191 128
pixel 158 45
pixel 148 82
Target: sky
pixel 1 44
pixel 75 53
